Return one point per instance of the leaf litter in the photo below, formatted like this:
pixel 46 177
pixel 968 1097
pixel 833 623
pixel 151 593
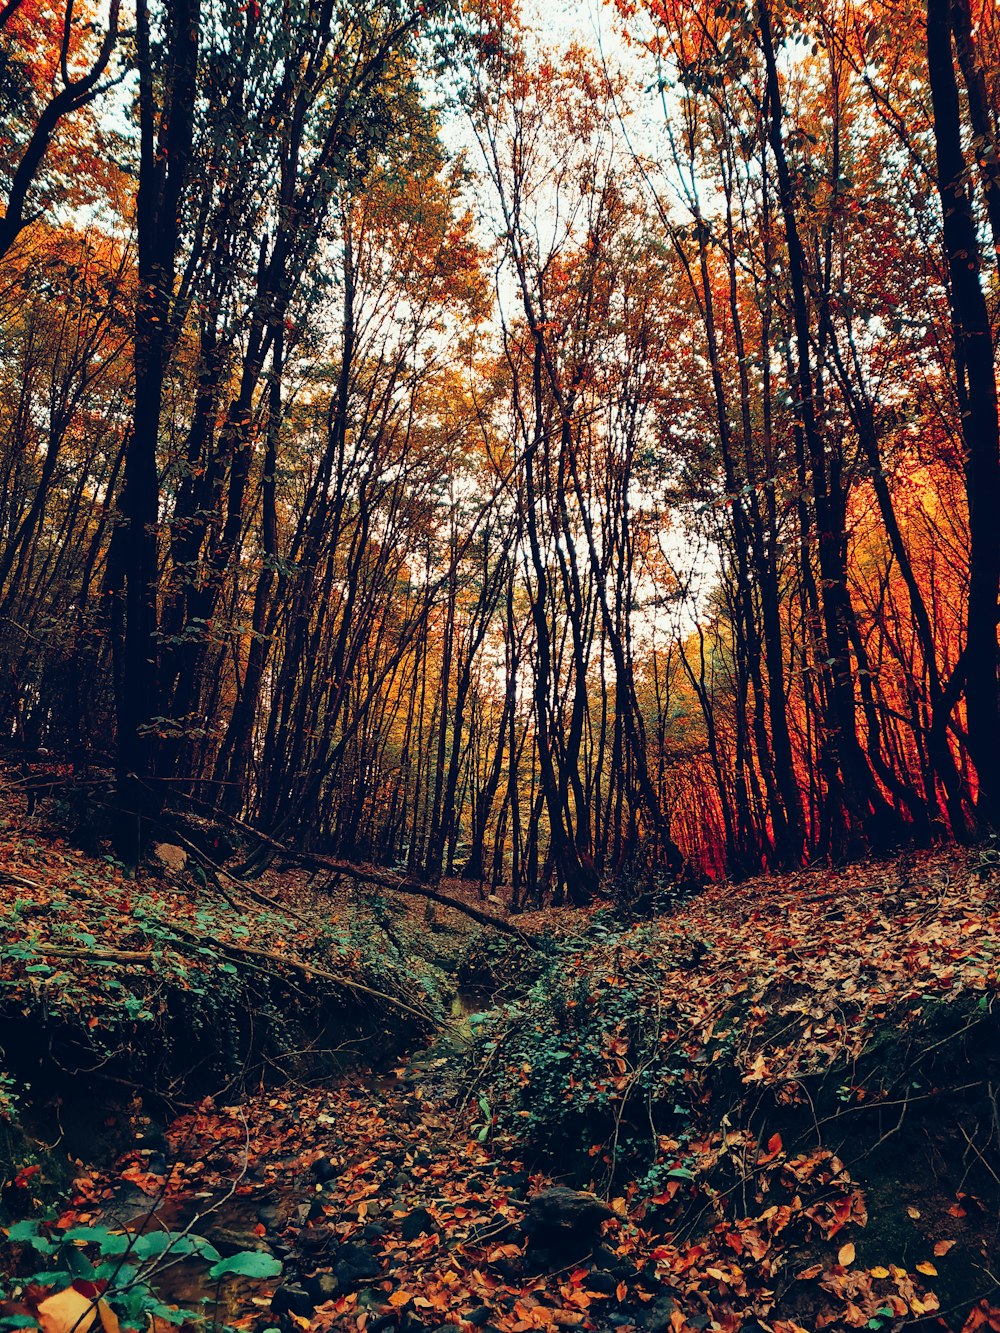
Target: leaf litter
pixel 390 1210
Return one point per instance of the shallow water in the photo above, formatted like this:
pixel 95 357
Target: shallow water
pixel 226 1223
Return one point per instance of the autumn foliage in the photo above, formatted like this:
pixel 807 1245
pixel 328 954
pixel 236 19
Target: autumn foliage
pixel 611 495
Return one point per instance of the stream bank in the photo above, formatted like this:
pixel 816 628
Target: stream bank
pixel 772 1109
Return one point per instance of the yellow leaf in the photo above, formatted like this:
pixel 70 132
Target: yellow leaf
pixel 942 1247
pixel 400 1298
pixel 879 1271
pixel 846 1254
pixel 913 1212
pixel 927 1269
pixel 66 1312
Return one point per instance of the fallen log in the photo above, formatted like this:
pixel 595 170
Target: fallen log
pixel 347 868
pixel 411 887
pixel 123 956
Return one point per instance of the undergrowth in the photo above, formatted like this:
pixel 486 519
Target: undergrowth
pixel 758 1060
pixel 110 981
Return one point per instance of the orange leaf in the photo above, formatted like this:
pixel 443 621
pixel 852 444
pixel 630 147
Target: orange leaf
pixel 774 1144
pixel 108 1318
pixel 621 1291
pixel 400 1298
pixel 67 1312
pixel 927 1269
pixel 846 1255
pixel 942 1247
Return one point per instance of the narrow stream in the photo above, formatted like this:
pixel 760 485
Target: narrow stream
pixel 230 1223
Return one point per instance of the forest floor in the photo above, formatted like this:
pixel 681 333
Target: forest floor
pixel 302 1103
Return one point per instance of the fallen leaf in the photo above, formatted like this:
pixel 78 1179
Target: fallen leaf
pixel 846 1255
pixel 942 1247
pixel 108 1318
pixel 927 1269
pixel 67 1311
pixel 913 1212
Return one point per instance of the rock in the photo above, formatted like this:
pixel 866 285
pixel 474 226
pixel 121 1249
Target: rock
pixel 415 1224
pixel 516 1182
pixel 397 1321
pixel 501 1228
pixel 315 1240
pixel 291 1300
pixel 607 1261
pixel 605 1283
pixel 354 1263
pixel 316 1211
pixel 171 858
pixel 322 1288
pixel 323 1169
pixel 479 1316
pixel 561 1217
pixel 384 1322
pixel 271 1216
pixel 657 1315
pixel 373 1231
pixel 511 1270
pixel 234 1239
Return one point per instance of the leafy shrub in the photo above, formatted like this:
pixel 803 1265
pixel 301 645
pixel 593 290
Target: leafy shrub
pixel 119 1270
pixel 495 964
pixel 587 1068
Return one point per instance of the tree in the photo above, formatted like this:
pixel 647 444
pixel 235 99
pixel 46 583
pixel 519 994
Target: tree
pixel 38 97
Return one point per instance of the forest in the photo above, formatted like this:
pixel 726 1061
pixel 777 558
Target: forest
pixel 499 665
pixel 613 487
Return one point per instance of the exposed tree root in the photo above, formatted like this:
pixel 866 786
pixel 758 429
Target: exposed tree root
pixel 145 957
pixel 310 971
